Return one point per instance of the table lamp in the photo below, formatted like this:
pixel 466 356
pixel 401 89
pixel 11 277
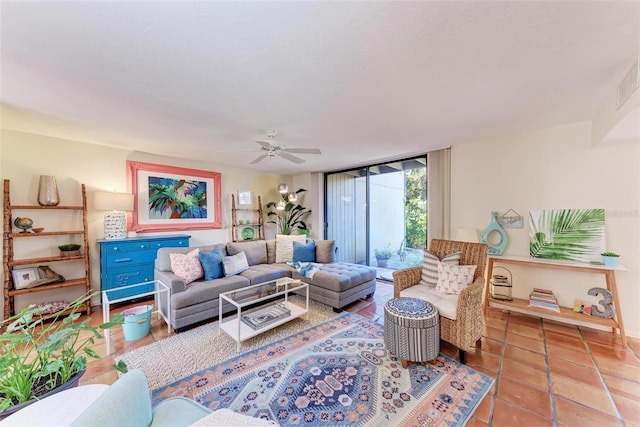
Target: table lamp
pixel 115 218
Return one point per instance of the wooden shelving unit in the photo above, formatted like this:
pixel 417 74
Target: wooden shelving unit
pixel 9 261
pixel 566 315
pixel 257 222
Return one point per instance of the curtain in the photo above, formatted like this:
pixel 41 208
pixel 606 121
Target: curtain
pixel 438 194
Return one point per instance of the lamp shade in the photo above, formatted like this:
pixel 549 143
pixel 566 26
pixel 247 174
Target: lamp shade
pixel 467 235
pixel 109 201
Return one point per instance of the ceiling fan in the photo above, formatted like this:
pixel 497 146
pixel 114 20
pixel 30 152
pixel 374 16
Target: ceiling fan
pixel 272 148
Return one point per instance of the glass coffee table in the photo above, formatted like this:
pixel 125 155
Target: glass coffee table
pixel 270 307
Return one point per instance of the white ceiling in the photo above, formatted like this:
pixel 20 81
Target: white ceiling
pixel 363 81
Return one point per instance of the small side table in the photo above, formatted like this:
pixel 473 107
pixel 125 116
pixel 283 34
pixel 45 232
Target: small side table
pixel 162 299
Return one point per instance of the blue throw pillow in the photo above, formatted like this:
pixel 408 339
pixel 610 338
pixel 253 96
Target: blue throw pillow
pixel 212 263
pixel 304 252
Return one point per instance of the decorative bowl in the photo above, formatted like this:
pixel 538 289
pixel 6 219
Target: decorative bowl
pixel 37 230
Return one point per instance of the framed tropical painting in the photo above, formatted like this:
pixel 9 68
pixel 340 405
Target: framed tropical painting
pixel 567 234
pixel 173 198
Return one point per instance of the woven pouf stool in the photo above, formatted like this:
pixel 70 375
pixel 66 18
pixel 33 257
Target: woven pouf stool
pixel 411 330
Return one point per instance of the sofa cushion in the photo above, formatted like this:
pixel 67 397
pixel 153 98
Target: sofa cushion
pixel 284 246
pixel 212 263
pixel 445 303
pixel 338 276
pixel 187 266
pixel 256 252
pixel 234 264
pixel 454 278
pixel 201 291
pixel 265 273
pixel 430 266
pixel 325 251
pixel 271 251
pixel 163 262
pixel 304 252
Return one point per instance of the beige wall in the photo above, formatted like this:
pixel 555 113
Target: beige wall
pixel 24 157
pixel 550 169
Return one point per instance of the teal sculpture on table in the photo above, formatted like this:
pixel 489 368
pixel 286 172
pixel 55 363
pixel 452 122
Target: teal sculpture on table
pixel 498 248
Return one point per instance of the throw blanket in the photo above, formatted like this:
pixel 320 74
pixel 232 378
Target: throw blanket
pixel 306 269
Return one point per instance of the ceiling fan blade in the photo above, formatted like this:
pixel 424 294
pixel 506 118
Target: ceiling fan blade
pixel 258 159
pixel 265 144
pixel 291 158
pixel 303 150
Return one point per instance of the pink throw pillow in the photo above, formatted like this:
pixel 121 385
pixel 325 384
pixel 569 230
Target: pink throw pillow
pixel 452 279
pixel 187 266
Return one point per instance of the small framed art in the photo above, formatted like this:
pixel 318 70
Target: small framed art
pixel 23 276
pixel 245 197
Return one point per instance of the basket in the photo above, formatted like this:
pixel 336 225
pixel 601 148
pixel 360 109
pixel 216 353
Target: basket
pixel 137 322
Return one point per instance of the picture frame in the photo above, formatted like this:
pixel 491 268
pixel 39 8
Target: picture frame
pixel 170 198
pixel 23 276
pixel 245 198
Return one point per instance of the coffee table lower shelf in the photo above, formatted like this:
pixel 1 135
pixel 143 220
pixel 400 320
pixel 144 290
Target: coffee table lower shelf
pixel 231 326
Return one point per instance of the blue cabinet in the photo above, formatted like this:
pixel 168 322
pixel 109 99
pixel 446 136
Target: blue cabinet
pixel 129 261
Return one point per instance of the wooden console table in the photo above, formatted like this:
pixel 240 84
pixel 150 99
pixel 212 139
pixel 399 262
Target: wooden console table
pixel 566 315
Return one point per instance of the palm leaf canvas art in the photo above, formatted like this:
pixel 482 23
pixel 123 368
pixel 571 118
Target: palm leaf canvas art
pixel 567 234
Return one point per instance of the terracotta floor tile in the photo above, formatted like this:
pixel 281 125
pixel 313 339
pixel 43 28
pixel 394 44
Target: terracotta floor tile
pixel 573 414
pixel 618 369
pixel 495 323
pixel 495 313
pixel 525 320
pixel 526 343
pixel 483 410
pixel 629 409
pixel 616 353
pixel 506 414
pixel 526 331
pixel 491 346
pixel 566 353
pixel 623 387
pixel 520 372
pixel 576 372
pixel 574 343
pixel 474 422
pixel 527 357
pixel 602 337
pixel 634 344
pixel 594 397
pixel 483 359
pixel 494 334
pixel 522 395
pixel 561 328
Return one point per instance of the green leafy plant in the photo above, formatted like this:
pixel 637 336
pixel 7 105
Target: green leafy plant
pixel 291 217
pixel 613 254
pixel 41 351
pixel 384 253
pixel 69 247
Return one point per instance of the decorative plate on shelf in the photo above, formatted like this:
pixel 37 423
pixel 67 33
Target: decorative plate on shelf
pixel 247 233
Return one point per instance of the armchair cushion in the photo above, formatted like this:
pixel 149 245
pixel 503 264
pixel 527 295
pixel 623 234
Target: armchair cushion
pixel 452 279
pixel 446 304
pixel 430 267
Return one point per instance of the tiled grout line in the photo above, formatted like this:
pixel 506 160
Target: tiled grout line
pixel 499 373
pixel 552 397
pixel 604 383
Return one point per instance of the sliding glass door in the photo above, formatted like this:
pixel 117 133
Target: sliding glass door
pixel 378 214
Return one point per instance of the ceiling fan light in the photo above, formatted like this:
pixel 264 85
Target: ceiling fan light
pixel 292 197
pixel 283 188
pixel 280 205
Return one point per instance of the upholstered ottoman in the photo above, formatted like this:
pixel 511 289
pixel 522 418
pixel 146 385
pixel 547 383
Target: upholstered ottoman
pixel 411 330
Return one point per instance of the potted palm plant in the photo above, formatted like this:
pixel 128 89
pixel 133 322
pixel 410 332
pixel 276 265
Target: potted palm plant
pixel 288 216
pixel 46 353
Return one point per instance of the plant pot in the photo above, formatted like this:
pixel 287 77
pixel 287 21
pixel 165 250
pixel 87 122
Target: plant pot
pixel 67 254
pixel 384 263
pixel 73 382
pixel 610 261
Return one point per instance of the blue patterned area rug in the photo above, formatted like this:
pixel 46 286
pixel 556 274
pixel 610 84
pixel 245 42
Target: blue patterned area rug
pixel 338 373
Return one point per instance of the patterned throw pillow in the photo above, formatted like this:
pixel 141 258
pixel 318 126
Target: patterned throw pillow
pixel 284 246
pixel 430 266
pixel 452 279
pixel 235 264
pixel 187 266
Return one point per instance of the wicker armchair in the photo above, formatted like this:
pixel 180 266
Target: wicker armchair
pixel 466 330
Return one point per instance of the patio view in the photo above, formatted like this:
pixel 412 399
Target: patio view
pixel 378 214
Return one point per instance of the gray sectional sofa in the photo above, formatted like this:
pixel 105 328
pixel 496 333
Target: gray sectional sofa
pixel 335 283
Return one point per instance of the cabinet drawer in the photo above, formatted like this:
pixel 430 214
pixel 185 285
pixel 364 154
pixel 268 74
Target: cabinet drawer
pixel 118 277
pixel 173 243
pixel 130 258
pixel 126 247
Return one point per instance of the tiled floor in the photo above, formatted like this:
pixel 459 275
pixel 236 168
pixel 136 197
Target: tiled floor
pixel 546 373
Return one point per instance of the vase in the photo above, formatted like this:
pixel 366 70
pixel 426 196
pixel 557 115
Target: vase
pixel 494 226
pixel 48 191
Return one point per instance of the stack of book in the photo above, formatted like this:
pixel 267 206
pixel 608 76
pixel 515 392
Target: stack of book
pixel 543 298
pixel 262 316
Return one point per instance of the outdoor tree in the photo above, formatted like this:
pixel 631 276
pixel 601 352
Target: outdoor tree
pixel 416 207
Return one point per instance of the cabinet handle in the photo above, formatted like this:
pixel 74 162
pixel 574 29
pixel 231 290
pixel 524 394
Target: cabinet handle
pixel 122 260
